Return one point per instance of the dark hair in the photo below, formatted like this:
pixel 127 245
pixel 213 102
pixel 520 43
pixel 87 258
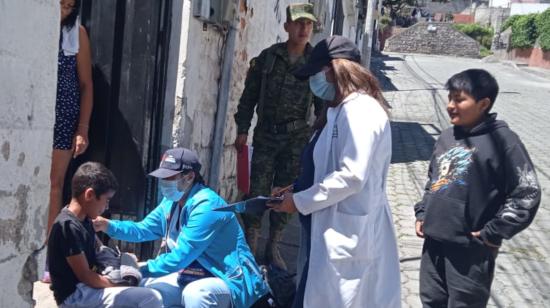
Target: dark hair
pixel 95 176
pixel 198 178
pixel 477 83
pixel 70 20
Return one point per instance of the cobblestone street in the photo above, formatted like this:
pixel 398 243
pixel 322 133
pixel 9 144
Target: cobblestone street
pixel 414 86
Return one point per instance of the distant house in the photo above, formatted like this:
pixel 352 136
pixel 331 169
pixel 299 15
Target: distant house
pixel 528 6
pixel 521 7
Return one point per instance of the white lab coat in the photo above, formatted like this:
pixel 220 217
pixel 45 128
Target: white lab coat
pixel 353 258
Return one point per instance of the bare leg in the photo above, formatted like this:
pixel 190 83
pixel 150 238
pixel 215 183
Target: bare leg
pixel 60 163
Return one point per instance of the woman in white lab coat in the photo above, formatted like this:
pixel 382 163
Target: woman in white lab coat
pixel 353 259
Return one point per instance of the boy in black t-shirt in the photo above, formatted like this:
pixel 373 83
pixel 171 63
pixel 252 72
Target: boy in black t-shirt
pixel 71 253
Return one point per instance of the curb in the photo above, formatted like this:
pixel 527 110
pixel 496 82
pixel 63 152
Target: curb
pixel 509 63
pixel 536 72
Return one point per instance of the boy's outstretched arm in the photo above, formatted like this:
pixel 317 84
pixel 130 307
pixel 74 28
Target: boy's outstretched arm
pixel 523 195
pixel 79 265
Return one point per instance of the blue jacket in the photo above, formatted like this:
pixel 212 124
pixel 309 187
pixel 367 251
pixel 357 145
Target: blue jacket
pixel 215 239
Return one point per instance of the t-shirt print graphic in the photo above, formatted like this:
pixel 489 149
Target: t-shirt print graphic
pixel 452 168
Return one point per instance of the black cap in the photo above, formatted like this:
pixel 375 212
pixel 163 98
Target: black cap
pixel 333 47
pixel 175 161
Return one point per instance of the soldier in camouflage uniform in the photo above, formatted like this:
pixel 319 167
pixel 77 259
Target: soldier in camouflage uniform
pixel 282 104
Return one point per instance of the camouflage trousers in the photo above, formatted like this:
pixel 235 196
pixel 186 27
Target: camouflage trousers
pixel 275 163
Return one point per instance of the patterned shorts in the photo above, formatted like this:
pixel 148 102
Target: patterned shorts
pixel 66 122
pixel 67 105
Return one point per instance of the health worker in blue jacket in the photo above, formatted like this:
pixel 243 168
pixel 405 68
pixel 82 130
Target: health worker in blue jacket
pixel 204 259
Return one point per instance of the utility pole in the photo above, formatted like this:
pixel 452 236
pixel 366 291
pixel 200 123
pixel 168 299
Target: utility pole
pixel 377 28
pixel 495 44
pixel 367 35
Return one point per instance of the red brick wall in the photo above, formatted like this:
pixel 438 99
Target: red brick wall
pixel 540 58
pixel 531 56
pixel 522 55
pixel 463 19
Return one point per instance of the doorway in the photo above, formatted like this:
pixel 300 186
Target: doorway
pixel 129 41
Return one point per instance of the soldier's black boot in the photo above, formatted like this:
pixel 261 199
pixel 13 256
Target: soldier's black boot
pixel 273 253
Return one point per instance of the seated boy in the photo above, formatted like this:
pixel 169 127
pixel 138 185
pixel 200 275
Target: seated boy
pixel 71 248
pixel 482 188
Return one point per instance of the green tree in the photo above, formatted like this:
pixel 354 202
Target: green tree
pixel 509 22
pixel 524 31
pixel 483 35
pixel 542 22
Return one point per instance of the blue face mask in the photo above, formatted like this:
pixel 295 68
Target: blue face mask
pixel 321 87
pixel 174 190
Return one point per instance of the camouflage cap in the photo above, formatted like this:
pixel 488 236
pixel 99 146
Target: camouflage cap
pixel 300 10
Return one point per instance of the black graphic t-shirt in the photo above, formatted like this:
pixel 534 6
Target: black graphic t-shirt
pixel 68 237
pixel 479 180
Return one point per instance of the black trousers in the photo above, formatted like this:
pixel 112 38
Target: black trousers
pixel 456 276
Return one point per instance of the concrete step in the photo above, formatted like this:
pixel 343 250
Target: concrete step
pixel 42 295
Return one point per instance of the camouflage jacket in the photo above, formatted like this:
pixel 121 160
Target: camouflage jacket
pixel 286 98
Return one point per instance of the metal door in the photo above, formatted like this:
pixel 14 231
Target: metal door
pixel 129 42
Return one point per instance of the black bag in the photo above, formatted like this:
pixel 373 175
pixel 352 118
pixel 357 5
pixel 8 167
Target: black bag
pixel 192 272
pixel 281 284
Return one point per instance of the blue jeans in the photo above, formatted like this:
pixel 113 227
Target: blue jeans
pixel 88 297
pixel 206 292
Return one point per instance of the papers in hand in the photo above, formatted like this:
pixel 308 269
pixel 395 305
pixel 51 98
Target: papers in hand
pixel 251 206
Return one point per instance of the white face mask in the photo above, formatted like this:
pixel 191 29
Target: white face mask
pixel 175 190
pixel 321 87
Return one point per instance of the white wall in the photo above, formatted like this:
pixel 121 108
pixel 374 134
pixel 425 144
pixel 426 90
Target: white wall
pixel 29 31
pixel 349 28
pixel 259 24
pixel 323 10
pixel 528 8
pixel 174 85
pixel 197 86
pixel 492 16
pixel 259 27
